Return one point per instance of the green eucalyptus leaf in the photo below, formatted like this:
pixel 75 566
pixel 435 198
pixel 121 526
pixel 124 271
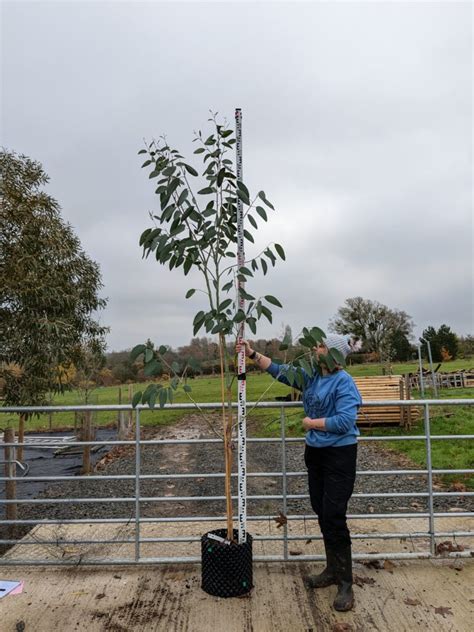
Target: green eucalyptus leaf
pixel 189 293
pixel 337 356
pixel 190 169
pixel 262 212
pixel 252 323
pixel 280 251
pixel 151 368
pixel 149 355
pixel 248 236
pixel 330 362
pixel 306 366
pixel 241 186
pixel 266 312
pixel 252 221
pixel 136 351
pixel 220 177
pixel 182 196
pixel 224 304
pixel 264 265
pixel 262 196
pixel 152 398
pixel 144 236
pixel 273 300
pixel 187 388
pixel 242 196
pixel 239 316
pixel 163 397
pixel 162 350
pixel 317 334
pixel 136 399
pixel 246 295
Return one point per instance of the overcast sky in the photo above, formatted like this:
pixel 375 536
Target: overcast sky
pixel 357 124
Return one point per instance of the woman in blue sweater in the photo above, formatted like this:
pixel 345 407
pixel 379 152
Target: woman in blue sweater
pixel 331 402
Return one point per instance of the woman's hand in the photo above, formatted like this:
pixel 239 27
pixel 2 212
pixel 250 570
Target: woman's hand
pixel 313 424
pixel 248 348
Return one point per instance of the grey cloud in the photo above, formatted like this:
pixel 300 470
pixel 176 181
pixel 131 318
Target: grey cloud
pixel 357 124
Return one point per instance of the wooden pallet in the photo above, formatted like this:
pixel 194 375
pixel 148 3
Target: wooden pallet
pixel 385 387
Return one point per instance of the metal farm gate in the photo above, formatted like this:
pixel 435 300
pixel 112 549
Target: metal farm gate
pixel 133 533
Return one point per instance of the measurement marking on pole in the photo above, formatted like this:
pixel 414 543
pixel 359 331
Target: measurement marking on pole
pixel 242 383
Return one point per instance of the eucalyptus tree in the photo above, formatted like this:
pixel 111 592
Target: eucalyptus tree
pixel 196 228
pixel 49 287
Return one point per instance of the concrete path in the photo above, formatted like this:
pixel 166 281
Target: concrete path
pixel 419 595
pixel 391 596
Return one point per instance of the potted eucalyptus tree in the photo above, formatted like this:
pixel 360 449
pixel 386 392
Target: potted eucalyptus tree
pixel 196 229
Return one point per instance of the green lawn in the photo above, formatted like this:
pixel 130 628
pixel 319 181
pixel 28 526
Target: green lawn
pixel 456 454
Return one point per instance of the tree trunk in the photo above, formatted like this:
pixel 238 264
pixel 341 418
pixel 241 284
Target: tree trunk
pixel 86 436
pixel 10 486
pixel 21 436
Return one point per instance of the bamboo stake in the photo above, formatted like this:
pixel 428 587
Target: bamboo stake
pixel 227 445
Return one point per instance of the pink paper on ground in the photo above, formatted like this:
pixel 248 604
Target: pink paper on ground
pixel 18 589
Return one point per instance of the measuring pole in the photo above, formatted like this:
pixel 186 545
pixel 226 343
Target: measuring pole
pixel 242 384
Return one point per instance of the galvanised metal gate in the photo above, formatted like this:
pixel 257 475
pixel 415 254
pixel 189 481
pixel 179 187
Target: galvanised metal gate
pixel 285 538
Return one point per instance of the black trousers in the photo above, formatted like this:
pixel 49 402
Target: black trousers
pixel 331 477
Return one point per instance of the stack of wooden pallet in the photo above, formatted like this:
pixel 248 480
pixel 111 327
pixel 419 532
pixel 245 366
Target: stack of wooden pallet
pixel 385 387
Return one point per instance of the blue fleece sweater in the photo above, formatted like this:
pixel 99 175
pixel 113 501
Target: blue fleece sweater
pixel 333 397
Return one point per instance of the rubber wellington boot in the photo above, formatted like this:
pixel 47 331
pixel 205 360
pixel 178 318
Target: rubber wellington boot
pixel 328 576
pixel 343 570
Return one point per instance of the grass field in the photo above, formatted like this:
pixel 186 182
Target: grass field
pixel 456 454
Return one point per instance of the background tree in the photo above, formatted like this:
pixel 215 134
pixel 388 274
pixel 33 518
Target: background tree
pixel 401 347
pixel 374 323
pixel 444 343
pixel 466 346
pixel 49 287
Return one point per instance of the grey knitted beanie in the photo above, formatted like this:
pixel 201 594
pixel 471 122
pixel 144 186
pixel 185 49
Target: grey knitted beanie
pixel 344 344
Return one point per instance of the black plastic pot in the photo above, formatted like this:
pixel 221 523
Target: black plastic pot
pixel 226 568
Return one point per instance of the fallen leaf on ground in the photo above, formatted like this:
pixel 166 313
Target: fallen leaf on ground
pixel 412 602
pixel 457 487
pixel 389 566
pixel 448 547
pixel 296 552
pixel 376 564
pixel 308 541
pixel 442 610
pixel 281 520
pixel 360 581
pixel 100 596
